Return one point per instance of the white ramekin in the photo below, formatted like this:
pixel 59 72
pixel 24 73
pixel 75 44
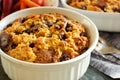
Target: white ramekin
pixel 104 21
pixel 67 70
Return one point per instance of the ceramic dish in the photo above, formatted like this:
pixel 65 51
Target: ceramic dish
pixel 88 76
pixel 104 21
pixel 72 69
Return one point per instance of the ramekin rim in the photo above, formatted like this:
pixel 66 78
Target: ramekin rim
pixel 92 12
pixel 58 63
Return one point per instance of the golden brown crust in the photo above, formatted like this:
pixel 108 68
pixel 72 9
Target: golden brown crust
pixel 97 5
pixel 46 38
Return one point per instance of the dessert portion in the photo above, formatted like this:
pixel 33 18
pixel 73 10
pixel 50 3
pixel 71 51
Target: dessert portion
pixel 44 38
pixel 96 5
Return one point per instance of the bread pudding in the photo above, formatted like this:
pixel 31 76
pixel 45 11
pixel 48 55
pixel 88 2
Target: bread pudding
pixel 44 38
pixel 107 6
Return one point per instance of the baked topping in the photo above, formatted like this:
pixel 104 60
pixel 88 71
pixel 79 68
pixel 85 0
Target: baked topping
pixel 96 5
pixel 44 38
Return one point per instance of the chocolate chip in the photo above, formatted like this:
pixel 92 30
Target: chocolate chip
pixel 62 35
pixel 65 57
pixel 24 19
pixel 69 27
pixel 83 34
pixel 14 46
pixel 32 45
pixel 116 10
pixel 58 27
pixel 48 23
pixel 33 29
pixel 84 7
pixel 9 25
